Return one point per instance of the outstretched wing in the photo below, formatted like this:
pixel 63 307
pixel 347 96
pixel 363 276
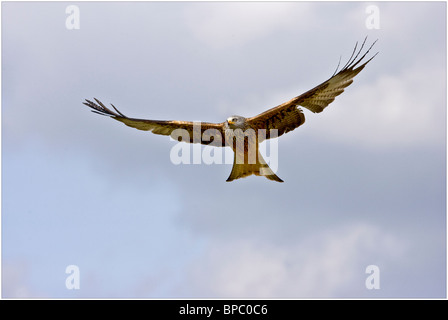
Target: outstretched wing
pixel 193 132
pixel 286 117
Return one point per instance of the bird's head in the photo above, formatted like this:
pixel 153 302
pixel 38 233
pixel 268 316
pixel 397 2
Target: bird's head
pixel 236 122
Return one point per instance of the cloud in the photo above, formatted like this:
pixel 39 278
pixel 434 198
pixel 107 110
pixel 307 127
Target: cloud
pixel 221 25
pixel 323 265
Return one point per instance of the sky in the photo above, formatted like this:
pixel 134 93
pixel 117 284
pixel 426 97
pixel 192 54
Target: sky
pixel 94 209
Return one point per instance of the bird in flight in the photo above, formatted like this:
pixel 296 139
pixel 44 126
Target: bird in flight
pixel 242 134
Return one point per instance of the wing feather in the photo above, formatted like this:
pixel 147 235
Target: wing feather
pixel 198 132
pixel 286 117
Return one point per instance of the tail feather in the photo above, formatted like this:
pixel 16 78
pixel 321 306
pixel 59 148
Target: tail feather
pixel 260 168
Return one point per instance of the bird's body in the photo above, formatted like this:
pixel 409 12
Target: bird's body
pixel 244 141
pixel 244 135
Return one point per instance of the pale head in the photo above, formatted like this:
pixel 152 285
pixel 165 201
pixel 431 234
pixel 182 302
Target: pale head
pixel 236 122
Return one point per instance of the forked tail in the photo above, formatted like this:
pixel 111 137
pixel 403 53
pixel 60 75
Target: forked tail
pixel 261 168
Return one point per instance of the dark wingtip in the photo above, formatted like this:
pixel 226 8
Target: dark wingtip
pixel 118 111
pixel 100 108
pixel 353 61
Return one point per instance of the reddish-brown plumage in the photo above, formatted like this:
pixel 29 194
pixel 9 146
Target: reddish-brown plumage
pixel 283 118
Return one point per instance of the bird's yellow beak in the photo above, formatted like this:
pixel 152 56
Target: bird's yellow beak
pixel 230 121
